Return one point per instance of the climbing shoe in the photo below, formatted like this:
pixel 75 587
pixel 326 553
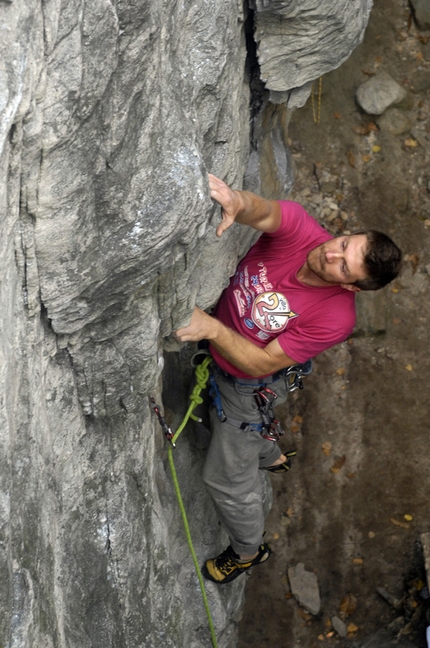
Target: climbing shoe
pixel 283 467
pixel 228 566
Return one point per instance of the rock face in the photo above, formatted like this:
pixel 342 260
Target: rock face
pixel 422 13
pixel 314 37
pixel 110 117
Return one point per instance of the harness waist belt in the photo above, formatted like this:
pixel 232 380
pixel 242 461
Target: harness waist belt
pixel 267 380
pixel 300 369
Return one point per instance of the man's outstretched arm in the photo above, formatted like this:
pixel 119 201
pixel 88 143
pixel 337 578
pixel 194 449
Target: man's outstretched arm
pixel 244 207
pixel 240 352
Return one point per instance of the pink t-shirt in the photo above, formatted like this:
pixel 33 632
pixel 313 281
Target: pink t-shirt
pixel 265 300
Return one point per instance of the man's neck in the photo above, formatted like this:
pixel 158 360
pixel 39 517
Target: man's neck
pixel 309 278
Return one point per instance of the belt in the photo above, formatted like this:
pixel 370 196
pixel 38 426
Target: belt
pixel 297 371
pixel 266 380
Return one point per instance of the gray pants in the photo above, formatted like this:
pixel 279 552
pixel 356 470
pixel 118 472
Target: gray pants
pixel 232 465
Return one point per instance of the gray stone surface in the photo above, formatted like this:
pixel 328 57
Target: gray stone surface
pixel 379 93
pixel 110 118
pixel 422 13
pixel 339 626
pixel 300 41
pixel 383 639
pixel 304 586
pixel 395 121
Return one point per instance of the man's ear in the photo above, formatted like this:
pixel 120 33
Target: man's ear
pixel 351 287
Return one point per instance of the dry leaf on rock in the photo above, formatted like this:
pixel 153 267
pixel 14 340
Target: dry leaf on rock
pixel 410 143
pixel 339 462
pixel 296 424
pixel 398 523
pixel 305 615
pixel 351 159
pixel 414 259
pixel 348 605
pixel 365 129
pixel 326 448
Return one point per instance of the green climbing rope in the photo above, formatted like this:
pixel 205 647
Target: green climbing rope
pixel 202 376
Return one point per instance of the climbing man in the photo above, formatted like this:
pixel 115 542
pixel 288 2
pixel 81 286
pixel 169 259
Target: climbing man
pixel 292 297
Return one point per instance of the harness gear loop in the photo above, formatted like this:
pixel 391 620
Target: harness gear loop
pixel 202 376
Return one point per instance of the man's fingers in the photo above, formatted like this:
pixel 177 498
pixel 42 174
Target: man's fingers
pixel 224 225
pixel 220 191
pixel 225 196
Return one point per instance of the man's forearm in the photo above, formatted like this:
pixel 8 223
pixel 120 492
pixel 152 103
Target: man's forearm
pixel 257 212
pixel 240 352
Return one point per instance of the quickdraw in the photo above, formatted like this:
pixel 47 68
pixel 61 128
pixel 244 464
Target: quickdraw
pixel 271 428
pixel 294 375
pixel 167 431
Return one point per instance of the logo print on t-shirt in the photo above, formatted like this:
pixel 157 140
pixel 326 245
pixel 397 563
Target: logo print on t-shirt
pixel 271 312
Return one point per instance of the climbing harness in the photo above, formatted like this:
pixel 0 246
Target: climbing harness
pixel 269 428
pixel 317 113
pixel 202 377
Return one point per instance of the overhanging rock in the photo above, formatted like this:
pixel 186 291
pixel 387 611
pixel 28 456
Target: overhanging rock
pixel 300 41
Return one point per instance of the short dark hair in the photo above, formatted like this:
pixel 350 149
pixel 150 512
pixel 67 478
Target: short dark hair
pixel 382 260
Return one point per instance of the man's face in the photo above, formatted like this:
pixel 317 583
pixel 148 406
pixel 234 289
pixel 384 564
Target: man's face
pixel 340 260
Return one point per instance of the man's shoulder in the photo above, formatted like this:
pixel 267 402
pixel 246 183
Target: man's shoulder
pixel 298 223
